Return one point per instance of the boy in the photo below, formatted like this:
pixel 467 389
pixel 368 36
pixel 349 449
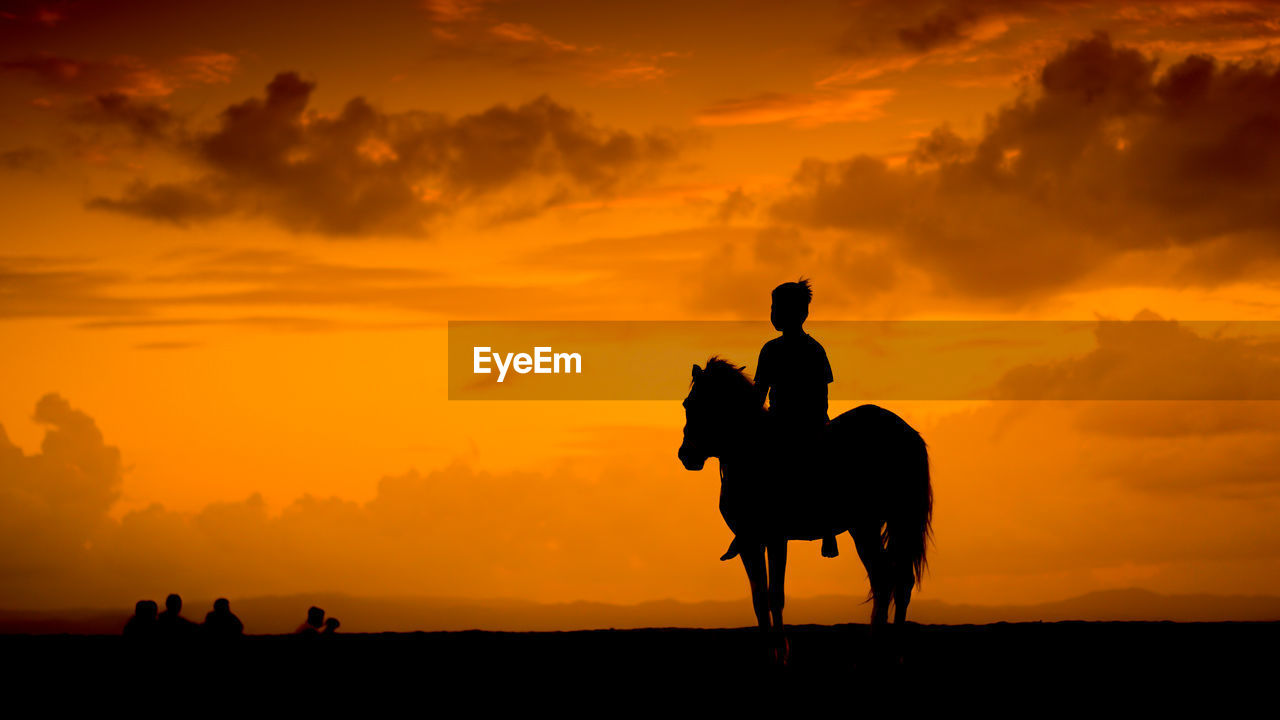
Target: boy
pixel 793 373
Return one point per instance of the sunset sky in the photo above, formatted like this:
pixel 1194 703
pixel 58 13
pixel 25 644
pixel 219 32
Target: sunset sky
pixel 234 233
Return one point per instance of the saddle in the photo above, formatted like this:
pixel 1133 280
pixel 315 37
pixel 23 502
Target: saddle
pixel 801 464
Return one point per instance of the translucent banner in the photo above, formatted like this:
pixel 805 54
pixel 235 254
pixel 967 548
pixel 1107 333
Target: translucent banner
pixel 898 360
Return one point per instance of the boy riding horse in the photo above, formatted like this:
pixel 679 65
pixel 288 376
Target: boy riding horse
pixel 793 374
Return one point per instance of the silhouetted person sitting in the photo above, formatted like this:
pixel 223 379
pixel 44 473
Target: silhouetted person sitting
pixel 143 622
pixel 221 622
pixel 171 623
pixel 793 373
pixel 315 621
pixel 331 626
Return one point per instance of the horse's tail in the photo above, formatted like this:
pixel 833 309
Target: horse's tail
pixel 910 523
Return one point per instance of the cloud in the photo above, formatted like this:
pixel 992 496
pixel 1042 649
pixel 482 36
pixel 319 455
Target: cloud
pixel 1022 496
pixel 1151 358
pixel 948 25
pixel 919 27
pixel 1107 158
pixel 573 535
pixel 25 158
pixel 35 13
pixel 1177 381
pixel 530 49
pixel 364 172
pixel 42 287
pixel 176 203
pixel 1019 491
pixel 452 11
pixel 123 74
pixel 54 502
pixel 736 203
pixel 208 68
pixel 802 110
pixel 525 33
pixel 210 288
pixel 145 120
pixel 923 26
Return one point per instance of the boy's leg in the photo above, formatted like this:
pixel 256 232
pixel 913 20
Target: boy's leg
pixel 811 439
pixel 732 552
pixel 829 547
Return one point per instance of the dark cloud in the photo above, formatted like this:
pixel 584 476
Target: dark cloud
pixel 735 204
pixel 452 11
pixel 465 33
pixel 25 158
pixel 176 203
pixel 1108 157
pixel 232 282
pixel 122 73
pixel 41 287
pixel 1179 381
pixel 948 25
pixel 733 276
pixel 1150 358
pixel 145 120
pixel 54 502
pixel 921 26
pixel 366 172
pixel 262 278
pixel 64 71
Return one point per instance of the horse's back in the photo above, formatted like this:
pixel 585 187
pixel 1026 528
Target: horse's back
pixel 868 422
pixel 854 476
pixel 870 451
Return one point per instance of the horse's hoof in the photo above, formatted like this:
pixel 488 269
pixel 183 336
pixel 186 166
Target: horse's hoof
pixel 779 657
pixel 780 653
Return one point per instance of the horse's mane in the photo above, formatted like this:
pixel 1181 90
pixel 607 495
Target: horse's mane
pixel 726 374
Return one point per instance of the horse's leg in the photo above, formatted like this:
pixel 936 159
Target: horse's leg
pixel 752 555
pixel 866 539
pixel 904 579
pixel 777 595
pixel 901 598
pixel 777 579
pixel 902 574
pixel 902 593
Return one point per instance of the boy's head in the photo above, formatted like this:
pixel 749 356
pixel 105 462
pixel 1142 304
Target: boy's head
pixel 790 305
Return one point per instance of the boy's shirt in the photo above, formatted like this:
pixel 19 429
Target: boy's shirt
pixel 795 371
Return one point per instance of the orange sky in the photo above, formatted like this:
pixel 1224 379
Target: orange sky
pixel 234 233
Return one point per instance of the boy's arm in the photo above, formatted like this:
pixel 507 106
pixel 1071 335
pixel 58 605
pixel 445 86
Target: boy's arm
pixel 763 372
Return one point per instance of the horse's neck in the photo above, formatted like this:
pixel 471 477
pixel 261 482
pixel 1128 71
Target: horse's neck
pixel 745 450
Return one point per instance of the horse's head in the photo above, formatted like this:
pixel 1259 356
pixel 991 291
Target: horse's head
pixel 721 400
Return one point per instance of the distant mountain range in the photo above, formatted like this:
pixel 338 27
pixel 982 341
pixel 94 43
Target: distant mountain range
pixel 281 614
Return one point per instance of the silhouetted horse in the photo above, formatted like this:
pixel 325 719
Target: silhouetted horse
pixel 869 474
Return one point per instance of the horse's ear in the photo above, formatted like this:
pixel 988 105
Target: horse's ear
pixel 696 371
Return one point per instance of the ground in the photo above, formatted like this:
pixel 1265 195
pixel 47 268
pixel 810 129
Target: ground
pixel 1051 665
